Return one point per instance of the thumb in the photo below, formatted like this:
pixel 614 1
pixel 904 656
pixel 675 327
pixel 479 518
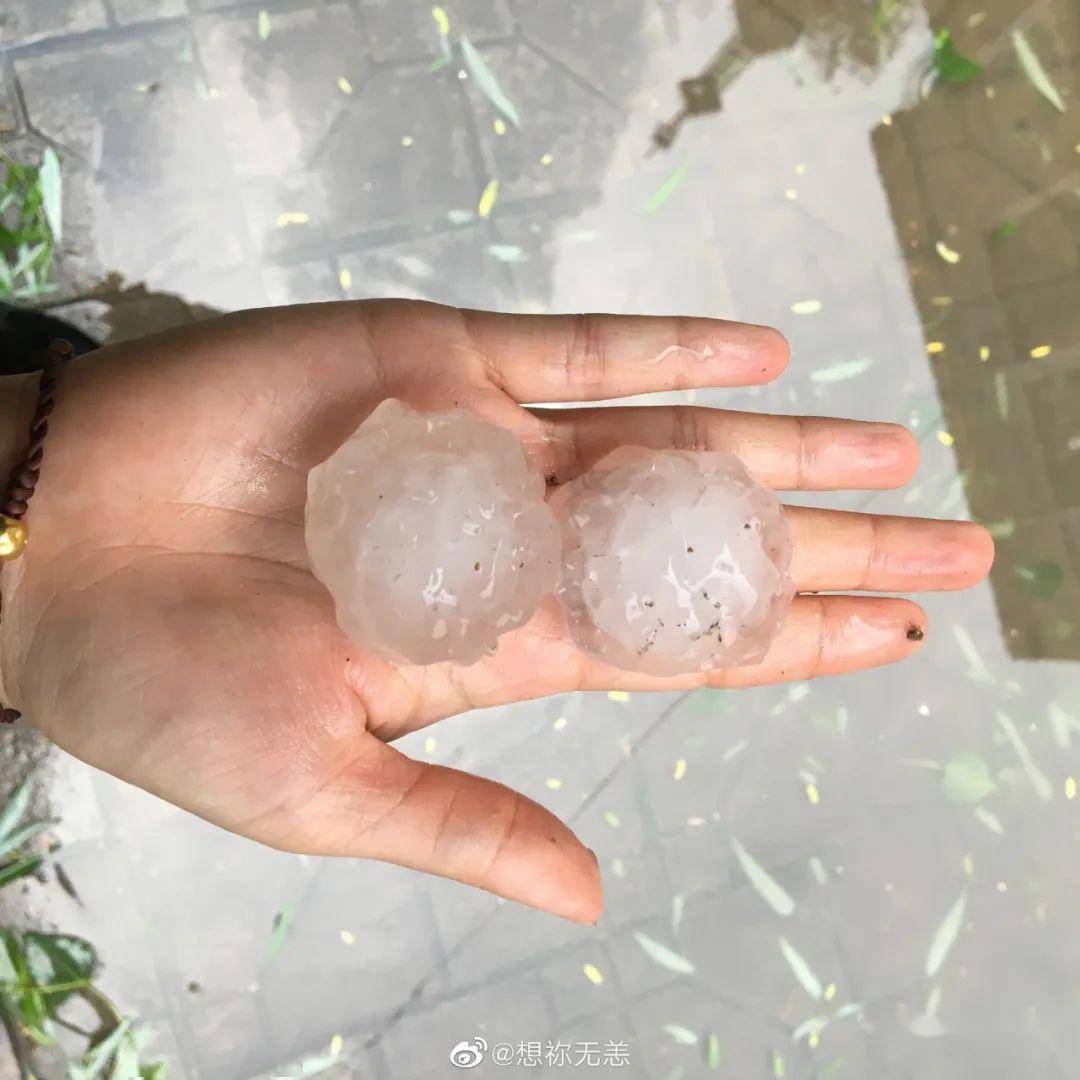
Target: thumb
pixel 447 822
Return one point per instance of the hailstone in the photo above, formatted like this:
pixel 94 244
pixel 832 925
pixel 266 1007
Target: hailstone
pixel 673 562
pixel 431 532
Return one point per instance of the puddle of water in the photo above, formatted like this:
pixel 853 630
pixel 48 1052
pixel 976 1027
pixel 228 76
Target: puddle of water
pixel 772 164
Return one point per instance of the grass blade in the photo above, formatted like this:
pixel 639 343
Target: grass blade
pixel 52 193
pixel 15 808
pixel 845 369
pixel 801 969
pixel 280 929
pixel 945 936
pixel 662 955
pixel 767 887
pixel 1043 788
pixel 487 83
pixel 11 843
pixel 21 869
pixel 665 191
pixel 1035 72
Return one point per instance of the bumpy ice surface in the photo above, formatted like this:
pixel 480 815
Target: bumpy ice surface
pixel 431 532
pixel 673 562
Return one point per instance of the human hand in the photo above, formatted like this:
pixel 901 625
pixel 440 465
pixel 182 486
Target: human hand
pixel 163 624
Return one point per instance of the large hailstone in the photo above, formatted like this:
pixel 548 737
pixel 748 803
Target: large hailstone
pixel 431 532
pixel 673 562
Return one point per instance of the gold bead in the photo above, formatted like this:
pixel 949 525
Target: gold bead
pixel 13 537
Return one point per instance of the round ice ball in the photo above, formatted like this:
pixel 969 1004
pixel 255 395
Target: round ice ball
pixel 673 562
pixel 432 534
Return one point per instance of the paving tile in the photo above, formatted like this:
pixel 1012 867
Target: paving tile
pixel 567 137
pixel 603 46
pixel 134 11
pixel 231 171
pixel 23 21
pixel 665 1021
pixel 420 1043
pixel 390 152
pixel 143 150
pixel 398 30
pixel 450 267
pixel 347 961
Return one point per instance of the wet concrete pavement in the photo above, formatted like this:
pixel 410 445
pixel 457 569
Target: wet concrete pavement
pixel 820 183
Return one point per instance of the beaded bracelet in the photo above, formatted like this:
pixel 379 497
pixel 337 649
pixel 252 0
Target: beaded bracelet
pixel 24 476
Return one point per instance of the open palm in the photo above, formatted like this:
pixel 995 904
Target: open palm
pixel 164 624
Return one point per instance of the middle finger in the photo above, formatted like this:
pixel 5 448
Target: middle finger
pixel 786 452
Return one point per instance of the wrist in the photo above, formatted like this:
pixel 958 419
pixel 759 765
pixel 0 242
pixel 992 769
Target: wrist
pixel 18 400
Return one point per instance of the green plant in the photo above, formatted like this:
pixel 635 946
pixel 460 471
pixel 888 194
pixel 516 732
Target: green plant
pixel 31 226
pixel 43 974
pixel 949 63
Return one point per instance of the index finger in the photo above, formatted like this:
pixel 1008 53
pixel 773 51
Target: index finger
pixel 591 357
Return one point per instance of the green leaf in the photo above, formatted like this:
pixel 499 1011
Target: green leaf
pixel 662 955
pixel 814 1025
pixel 845 369
pixel 15 808
pixel 1006 228
pixel 977 669
pixel 59 959
pixel 314 1066
pixel 280 929
pixel 158 1071
pixel 945 936
pixel 1062 725
pixel 507 253
pixel 487 83
pixel 801 969
pixel 950 65
pixel 52 200
pixel 681 1034
pixel 488 198
pixel 29 292
pixel 94 1061
pixel 883 15
pixel 713 1055
pixel 34 1014
pixel 126 1060
pixel 665 191
pixel 17 839
pixel 22 868
pixel 678 906
pixel 967 779
pixel 991 821
pixel 1043 788
pixel 767 887
pixel 1042 579
pixel 1035 72
pixel 9 947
